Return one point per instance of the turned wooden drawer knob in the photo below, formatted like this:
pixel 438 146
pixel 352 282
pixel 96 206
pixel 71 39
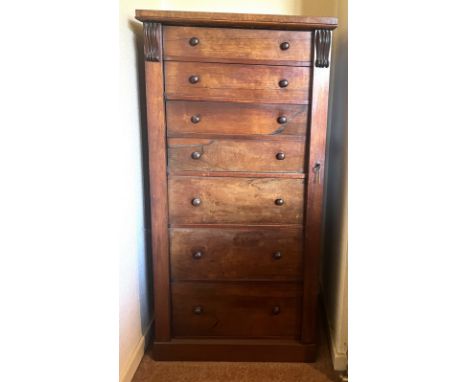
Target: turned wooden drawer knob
pixel 195 118
pixel 280 156
pixel 276 310
pixel 198 310
pixel 197 255
pixel 277 255
pixel 279 202
pixel 196 202
pixel 195 79
pixel 284 45
pixel 282 119
pixel 194 41
pixel 196 155
pixel 283 83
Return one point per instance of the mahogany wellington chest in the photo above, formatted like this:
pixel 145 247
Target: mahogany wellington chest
pixel 237 116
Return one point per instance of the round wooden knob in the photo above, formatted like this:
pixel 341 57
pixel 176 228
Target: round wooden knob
pixel 282 119
pixel 198 310
pixel 196 155
pixel 277 255
pixel 283 83
pixel 194 41
pixel 279 202
pixel 197 255
pixel 195 118
pixel 280 156
pixel 196 202
pixel 195 79
pixel 276 310
pixel 284 45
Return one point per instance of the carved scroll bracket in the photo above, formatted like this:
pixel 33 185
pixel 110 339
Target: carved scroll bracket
pixel 322 48
pixel 152 41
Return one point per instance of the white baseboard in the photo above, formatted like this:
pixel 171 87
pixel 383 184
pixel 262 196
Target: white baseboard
pixel 128 371
pixel 339 359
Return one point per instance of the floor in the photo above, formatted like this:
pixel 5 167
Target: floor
pixel 320 371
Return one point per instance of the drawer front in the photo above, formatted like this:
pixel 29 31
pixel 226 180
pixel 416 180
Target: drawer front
pixel 235 200
pixel 235 118
pixel 235 155
pixel 231 45
pixel 236 254
pixel 236 309
pixel 236 83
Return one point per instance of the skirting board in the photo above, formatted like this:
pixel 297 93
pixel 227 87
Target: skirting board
pixel 234 350
pixel 339 359
pixel 128 371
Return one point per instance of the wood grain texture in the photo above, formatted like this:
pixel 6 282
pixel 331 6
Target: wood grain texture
pixel 237 20
pixel 236 254
pixel 231 155
pixel 244 226
pixel 241 282
pixel 236 83
pixel 236 119
pixel 235 200
pixel 234 350
pixel 314 201
pixel 237 45
pixel 241 174
pixel 158 189
pixel 236 309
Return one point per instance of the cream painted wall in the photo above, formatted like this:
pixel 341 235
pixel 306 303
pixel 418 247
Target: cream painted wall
pixel 135 293
pixel 285 7
pixel 135 317
pixel 320 8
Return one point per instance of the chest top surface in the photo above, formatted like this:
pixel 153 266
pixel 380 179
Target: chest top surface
pixel 236 20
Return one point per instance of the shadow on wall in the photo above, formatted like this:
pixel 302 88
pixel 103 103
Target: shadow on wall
pixel 145 270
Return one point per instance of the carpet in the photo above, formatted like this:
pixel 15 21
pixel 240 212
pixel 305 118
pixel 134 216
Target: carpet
pixel 319 371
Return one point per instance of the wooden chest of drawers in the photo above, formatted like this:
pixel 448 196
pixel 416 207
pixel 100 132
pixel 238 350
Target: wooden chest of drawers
pixel 237 114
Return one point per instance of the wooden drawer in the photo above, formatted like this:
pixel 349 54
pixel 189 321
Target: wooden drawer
pixel 236 309
pixel 237 45
pixel 235 200
pixel 188 117
pixel 240 253
pixel 188 154
pixel 236 83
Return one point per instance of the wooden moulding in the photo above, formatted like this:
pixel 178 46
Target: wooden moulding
pixel 237 20
pixel 234 350
pixel 322 53
pixel 152 45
